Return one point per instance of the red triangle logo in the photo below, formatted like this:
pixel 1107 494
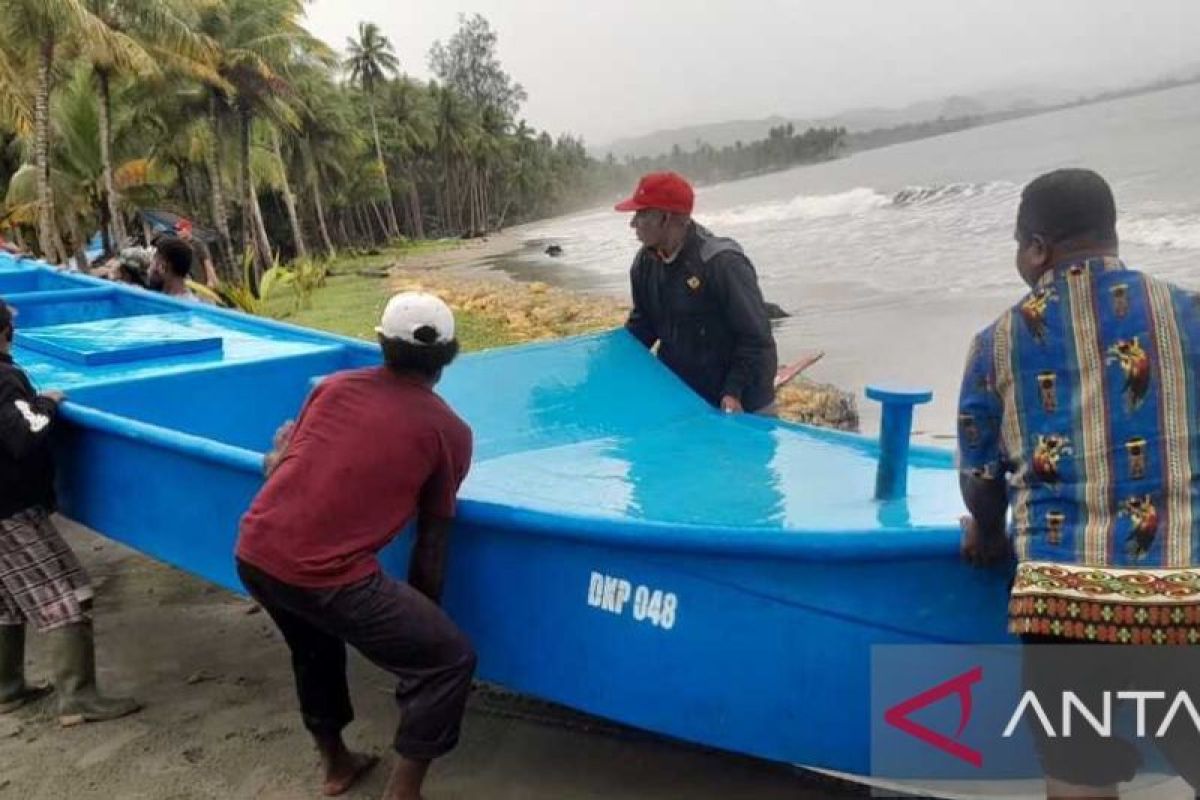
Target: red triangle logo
pixel 898 716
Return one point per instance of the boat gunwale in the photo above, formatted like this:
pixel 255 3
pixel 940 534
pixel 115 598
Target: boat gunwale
pixel 48 297
pixel 200 447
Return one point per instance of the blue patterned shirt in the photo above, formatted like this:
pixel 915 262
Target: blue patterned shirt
pixel 1085 397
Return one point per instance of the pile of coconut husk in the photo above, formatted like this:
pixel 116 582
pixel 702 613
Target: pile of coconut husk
pixel 818 404
pixel 528 311
pixel 536 311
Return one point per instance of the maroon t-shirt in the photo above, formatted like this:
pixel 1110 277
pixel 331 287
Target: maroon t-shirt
pixel 370 450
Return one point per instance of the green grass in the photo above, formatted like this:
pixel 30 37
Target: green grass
pixel 391 256
pixel 351 303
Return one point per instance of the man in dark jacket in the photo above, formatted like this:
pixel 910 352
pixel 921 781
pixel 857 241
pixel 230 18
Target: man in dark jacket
pixel 697 296
pixel 41 580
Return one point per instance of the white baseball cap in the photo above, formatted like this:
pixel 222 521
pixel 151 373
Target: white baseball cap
pixel 417 318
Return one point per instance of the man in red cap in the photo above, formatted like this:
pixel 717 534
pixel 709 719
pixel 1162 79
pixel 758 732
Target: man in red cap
pixel 697 296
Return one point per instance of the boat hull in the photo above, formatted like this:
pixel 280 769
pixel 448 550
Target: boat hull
pixel 620 548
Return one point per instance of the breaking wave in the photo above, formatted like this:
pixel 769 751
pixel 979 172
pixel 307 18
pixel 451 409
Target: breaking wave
pixel 1174 232
pixel 851 203
pixel 921 195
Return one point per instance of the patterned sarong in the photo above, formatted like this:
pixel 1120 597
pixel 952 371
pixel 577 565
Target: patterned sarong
pixel 41 580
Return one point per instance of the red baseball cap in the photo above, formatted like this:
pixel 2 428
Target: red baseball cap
pixel 664 191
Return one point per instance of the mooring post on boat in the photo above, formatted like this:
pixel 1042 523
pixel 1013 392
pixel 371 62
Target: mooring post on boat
pixel 895 430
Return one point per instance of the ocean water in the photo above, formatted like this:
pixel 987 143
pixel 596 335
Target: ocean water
pixel 889 260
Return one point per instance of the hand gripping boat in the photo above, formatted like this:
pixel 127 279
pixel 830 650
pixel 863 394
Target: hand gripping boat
pixel 621 548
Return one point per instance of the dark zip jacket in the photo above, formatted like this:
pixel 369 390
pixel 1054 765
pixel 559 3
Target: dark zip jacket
pixel 26 464
pixel 707 313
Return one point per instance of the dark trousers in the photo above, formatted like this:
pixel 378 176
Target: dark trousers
pixel 398 629
pixel 1052 665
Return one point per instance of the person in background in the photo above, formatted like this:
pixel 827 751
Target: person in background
pixel 10 248
pixel 131 266
pixel 203 271
pixel 41 581
pixel 170 269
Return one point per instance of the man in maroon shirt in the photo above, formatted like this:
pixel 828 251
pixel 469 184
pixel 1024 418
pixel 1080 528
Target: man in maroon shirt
pixel 371 450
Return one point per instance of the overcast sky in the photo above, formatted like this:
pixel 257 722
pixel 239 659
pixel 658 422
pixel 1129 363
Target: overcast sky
pixel 612 68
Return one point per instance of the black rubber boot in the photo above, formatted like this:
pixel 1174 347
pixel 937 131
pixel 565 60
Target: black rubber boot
pixel 14 691
pixel 75 679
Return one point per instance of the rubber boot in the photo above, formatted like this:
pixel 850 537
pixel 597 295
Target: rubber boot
pixel 14 691
pixel 75 679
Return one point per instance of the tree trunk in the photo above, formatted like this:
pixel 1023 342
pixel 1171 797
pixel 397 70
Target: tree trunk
pixel 414 204
pixel 314 183
pixel 246 188
pixel 487 200
pixel 220 219
pixel 463 191
pixel 383 223
pixel 106 243
pixel 47 233
pixel 480 218
pixel 265 257
pixel 364 225
pixel 289 200
pixel 439 202
pixel 111 198
pixel 193 188
pixel 394 227
pixel 410 219
pixel 342 227
pixel 376 233
pixel 503 214
pixel 81 262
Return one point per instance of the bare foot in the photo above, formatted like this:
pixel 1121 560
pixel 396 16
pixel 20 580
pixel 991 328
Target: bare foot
pixel 405 781
pixel 345 772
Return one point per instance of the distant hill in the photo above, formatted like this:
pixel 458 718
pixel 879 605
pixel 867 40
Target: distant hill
pixel 722 134
pixel 718 134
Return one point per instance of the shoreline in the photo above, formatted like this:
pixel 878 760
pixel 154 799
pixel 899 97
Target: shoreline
pixel 530 311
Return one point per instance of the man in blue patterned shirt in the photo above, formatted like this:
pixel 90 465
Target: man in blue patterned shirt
pixel 1079 414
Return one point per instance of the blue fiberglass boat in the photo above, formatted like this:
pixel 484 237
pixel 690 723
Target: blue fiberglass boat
pixel 622 548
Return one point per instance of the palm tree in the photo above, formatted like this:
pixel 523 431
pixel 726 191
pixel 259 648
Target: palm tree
pixel 407 107
pixel 325 140
pixel 165 32
pixel 454 129
pixel 77 177
pixel 15 111
pixel 289 199
pixel 371 59
pixel 259 42
pixel 36 29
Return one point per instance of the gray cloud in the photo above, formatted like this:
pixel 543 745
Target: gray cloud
pixel 613 68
